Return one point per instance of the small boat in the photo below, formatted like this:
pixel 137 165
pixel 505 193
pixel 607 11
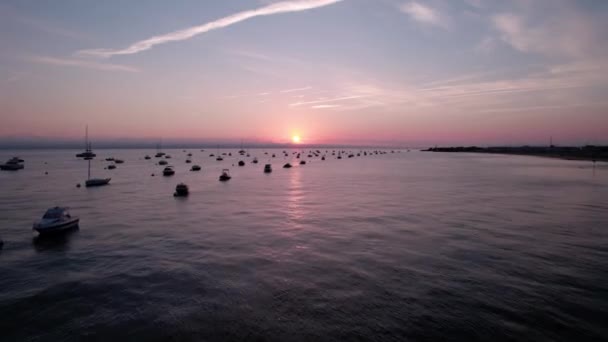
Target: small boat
pixel 189 154
pixel 181 190
pixel 168 171
pixel 323 158
pixel 147 157
pixel 163 162
pixel 195 168
pixel 302 162
pixel 287 166
pixel 188 161
pixel 56 220
pixel 167 156
pixel 97 182
pixel 267 168
pixel 88 152
pixel 241 163
pixel 12 164
pixel 255 160
pixel 90 182
pixel 159 154
pixel 119 161
pixel 110 159
pixel 219 158
pixel 111 167
pixel 225 176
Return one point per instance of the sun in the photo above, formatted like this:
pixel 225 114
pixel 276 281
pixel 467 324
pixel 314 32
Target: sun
pixel 295 139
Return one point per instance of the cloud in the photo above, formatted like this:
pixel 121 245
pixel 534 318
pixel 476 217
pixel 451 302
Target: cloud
pixel 563 31
pixel 295 90
pixel 325 106
pixel 423 13
pixel 82 64
pixel 343 98
pixel 146 44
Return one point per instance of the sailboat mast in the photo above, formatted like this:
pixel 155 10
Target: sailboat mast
pixel 86 137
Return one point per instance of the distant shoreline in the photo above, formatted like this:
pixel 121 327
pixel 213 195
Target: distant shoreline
pixel 588 152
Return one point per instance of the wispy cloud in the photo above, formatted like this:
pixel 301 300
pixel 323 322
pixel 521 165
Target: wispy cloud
pixel 343 98
pixel 295 90
pixel 275 8
pixel 82 64
pixel 566 31
pixel 423 13
pixel 325 106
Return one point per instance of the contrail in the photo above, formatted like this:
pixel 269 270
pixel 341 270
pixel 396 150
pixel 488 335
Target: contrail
pixel 142 45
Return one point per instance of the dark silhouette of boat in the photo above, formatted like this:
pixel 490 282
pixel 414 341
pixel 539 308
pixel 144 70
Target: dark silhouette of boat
pixel 267 168
pixel 241 163
pixel 195 168
pixel 92 182
pixel 225 176
pixel 88 152
pixel 181 190
pixel 168 171
pixel 287 166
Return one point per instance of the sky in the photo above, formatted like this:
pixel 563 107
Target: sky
pixel 374 72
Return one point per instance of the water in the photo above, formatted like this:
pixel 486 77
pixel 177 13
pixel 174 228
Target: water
pixel 418 246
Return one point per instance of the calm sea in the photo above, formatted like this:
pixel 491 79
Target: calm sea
pixel 393 247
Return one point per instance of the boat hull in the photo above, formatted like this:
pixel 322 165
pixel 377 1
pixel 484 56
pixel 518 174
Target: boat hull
pixel 97 182
pixel 56 228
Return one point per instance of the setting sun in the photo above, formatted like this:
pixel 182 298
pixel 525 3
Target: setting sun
pixel 295 139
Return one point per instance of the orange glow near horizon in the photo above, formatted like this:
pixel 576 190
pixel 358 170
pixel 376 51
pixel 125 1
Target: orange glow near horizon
pixel 295 139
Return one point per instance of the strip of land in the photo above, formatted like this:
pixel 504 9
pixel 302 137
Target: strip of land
pixel 588 152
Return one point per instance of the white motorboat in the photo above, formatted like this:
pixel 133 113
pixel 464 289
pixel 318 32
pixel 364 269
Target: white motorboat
pixel 57 219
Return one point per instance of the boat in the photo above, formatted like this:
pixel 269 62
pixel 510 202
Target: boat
pixel 12 164
pixel 147 157
pixel 267 168
pixel 225 176
pixel 168 171
pixel 188 161
pixel 163 162
pixel 54 220
pixel 189 154
pixel 195 168
pixel 110 159
pixel 302 162
pixel 323 158
pixel 111 167
pixel 181 190
pixel 90 182
pixel 255 160
pixel 167 156
pixel 219 156
pixel 88 152
pixel 159 152
pixel 119 161
pixel 287 166
pixel 241 163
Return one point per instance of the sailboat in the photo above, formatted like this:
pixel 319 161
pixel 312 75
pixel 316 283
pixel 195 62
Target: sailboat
pixel 95 181
pixel 241 151
pixel 159 152
pixel 88 153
